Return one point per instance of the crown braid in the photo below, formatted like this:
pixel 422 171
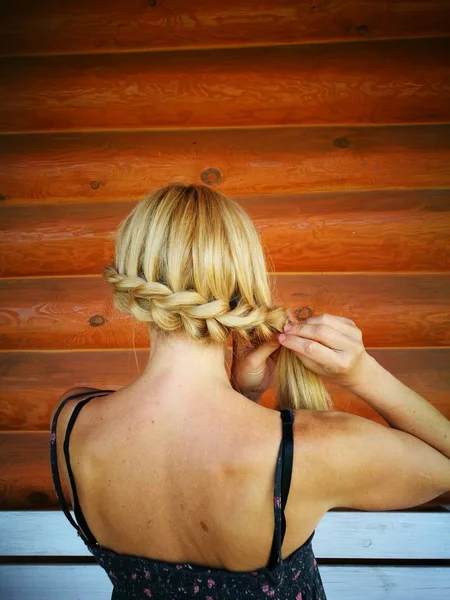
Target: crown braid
pixel 189 259
pixel 155 302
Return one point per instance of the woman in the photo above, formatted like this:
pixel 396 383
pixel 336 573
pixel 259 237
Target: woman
pixel 183 485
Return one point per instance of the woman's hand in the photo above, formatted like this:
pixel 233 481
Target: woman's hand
pixel 330 346
pixel 252 369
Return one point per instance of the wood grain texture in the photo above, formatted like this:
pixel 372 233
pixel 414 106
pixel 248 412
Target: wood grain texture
pixel 33 381
pixel 77 312
pixel 81 26
pixel 329 84
pixel 392 230
pixel 121 165
pixel 26 479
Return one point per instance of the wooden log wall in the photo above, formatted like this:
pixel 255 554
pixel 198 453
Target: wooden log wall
pixel 328 121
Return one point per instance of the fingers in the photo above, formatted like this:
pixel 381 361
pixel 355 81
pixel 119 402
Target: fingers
pixel 328 345
pixel 310 349
pixel 261 354
pixel 342 324
pixel 332 338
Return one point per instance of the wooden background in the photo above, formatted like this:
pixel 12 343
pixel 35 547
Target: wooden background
pixel 328 121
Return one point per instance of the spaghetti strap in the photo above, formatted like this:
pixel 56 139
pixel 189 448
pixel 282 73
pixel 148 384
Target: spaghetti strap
pixel 54 459
pixel 287 460
pixel 283 476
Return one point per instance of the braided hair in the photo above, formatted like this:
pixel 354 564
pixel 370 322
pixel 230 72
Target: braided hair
pixel 189 259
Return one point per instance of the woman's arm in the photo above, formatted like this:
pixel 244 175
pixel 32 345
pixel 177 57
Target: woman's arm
pixel 402 407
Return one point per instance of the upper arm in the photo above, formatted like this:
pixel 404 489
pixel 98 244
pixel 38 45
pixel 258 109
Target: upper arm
pixel 368 466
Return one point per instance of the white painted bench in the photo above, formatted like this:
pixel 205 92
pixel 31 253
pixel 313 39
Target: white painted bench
pixel 394 555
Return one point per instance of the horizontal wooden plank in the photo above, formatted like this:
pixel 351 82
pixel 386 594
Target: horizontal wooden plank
pixel 393 230
pixel 112 165
pixel 53 582
pixel 329 84
pixel 26 478
pixel 77 312
pixel 339 535
pixel 32 381
pixel 51 26
pixel 80 582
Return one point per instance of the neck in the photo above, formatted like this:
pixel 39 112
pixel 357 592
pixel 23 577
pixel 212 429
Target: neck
pixel 186 365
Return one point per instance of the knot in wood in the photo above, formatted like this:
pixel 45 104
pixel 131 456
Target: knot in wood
pixel 211 176
pixel 96 321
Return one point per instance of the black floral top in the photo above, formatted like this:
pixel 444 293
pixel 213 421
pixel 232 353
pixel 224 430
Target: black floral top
pixel 297 577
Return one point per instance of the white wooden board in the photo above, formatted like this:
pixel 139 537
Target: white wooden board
pixel 343 535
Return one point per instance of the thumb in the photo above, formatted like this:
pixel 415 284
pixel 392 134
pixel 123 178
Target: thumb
pixel 262 352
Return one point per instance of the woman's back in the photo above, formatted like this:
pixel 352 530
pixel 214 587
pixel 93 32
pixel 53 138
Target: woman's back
pixel 200 485
pixel 157 480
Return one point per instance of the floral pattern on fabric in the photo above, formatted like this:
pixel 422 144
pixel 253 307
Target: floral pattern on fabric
pixel 297 578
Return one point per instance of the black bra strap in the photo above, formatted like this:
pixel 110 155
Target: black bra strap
pixel 282 483
pixel 287 460
pixel 54 459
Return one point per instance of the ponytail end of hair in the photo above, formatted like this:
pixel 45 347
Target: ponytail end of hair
pixel 296 387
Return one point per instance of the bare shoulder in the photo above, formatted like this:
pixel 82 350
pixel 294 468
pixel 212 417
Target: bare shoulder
pixel 80 392
pixel 314 426
pixel 311 470
pixel 319 438
pixel 364 465
pixel 312 419
pixel 323 437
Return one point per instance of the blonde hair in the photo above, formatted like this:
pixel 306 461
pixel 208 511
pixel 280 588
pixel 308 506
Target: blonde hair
pixel 189 259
